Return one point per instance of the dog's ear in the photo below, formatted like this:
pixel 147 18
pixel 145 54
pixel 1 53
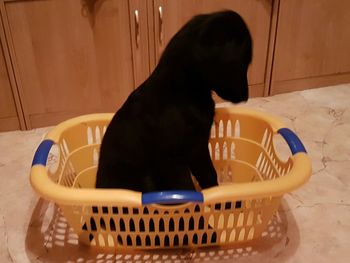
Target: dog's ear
pixel 223 52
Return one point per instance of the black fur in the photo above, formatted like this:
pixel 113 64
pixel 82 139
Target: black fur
pixel 160 135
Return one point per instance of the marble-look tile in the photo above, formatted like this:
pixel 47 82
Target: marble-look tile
pixel 5 255
pixel 312 225
pixel 17 198
pixel 328 96
pixel 337 143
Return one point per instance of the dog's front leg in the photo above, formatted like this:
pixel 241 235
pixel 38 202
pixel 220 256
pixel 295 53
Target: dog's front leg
pixel 202 167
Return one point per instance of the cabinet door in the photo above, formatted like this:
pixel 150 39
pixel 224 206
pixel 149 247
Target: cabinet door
pixel 8 113
pixel 312 44
pixel 75 56
pixel 171 15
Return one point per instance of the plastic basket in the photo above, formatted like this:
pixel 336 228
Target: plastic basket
pixel 252 181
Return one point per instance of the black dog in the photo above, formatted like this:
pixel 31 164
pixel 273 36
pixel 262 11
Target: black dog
pixel 160 135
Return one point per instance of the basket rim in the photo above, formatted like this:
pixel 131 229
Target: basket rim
pixel 48 189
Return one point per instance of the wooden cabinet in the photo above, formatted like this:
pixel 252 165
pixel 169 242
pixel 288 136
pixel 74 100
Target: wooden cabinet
pixel 312 45
pixel 76 57
pixel 70 57
pixel 169 16
pixel 8 113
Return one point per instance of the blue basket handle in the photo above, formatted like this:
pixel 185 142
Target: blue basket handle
pixel 292 140
pixel 172 197
pixel 41 154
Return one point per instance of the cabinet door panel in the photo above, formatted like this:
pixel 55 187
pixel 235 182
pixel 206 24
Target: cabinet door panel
pixel 8 113
pixel 313 41
pixel 72 57
pixel 256 13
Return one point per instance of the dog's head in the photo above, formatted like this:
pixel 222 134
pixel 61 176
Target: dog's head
pixel 216 49
pixel 223 52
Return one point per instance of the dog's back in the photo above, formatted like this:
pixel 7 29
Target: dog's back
pixel 160 135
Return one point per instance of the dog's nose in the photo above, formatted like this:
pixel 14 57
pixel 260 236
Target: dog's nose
pixel 244 94
pixel 246 97
pixel 240 99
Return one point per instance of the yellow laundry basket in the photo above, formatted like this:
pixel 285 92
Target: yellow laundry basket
pixel 252 180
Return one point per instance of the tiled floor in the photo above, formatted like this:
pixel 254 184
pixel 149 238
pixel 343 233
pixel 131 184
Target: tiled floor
pixel 313 222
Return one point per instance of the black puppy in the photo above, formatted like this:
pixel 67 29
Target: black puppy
pixel 160 135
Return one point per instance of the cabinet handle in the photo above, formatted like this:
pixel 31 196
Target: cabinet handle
pixel 137 28
pixel 160 13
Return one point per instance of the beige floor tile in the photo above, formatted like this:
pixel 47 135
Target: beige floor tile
pixel 312 225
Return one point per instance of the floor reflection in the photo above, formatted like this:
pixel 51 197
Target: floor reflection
pixel 50 239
